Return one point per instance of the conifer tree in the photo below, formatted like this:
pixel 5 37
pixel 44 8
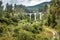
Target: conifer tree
pixel 54 11
pixel 1 9
pixel 8 10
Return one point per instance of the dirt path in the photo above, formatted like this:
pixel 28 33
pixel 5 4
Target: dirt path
pixel 55 34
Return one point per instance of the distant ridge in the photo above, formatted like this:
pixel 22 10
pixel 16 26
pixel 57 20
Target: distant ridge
pixel 39 7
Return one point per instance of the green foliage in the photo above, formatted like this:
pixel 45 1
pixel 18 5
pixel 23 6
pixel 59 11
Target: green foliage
pixel 16 25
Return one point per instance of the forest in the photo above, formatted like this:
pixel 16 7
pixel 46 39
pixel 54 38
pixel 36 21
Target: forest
pixel 16 25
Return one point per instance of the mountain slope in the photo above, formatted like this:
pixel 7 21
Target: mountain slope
pixel 39 7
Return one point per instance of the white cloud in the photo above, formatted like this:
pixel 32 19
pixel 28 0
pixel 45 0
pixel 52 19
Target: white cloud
pixel 24 2
pixel 31 2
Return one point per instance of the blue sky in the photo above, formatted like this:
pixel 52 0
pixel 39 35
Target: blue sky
pixel 24 2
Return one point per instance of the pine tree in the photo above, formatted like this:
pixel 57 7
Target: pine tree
pixel 54 11
pixel 8 10
pixel 1 9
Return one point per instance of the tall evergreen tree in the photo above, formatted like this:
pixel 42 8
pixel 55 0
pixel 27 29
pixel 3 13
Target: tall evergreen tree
pixel 8 10
pixel 54 11
pixel 1 9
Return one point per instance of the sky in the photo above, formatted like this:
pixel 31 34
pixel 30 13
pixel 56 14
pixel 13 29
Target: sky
pixel 24 2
